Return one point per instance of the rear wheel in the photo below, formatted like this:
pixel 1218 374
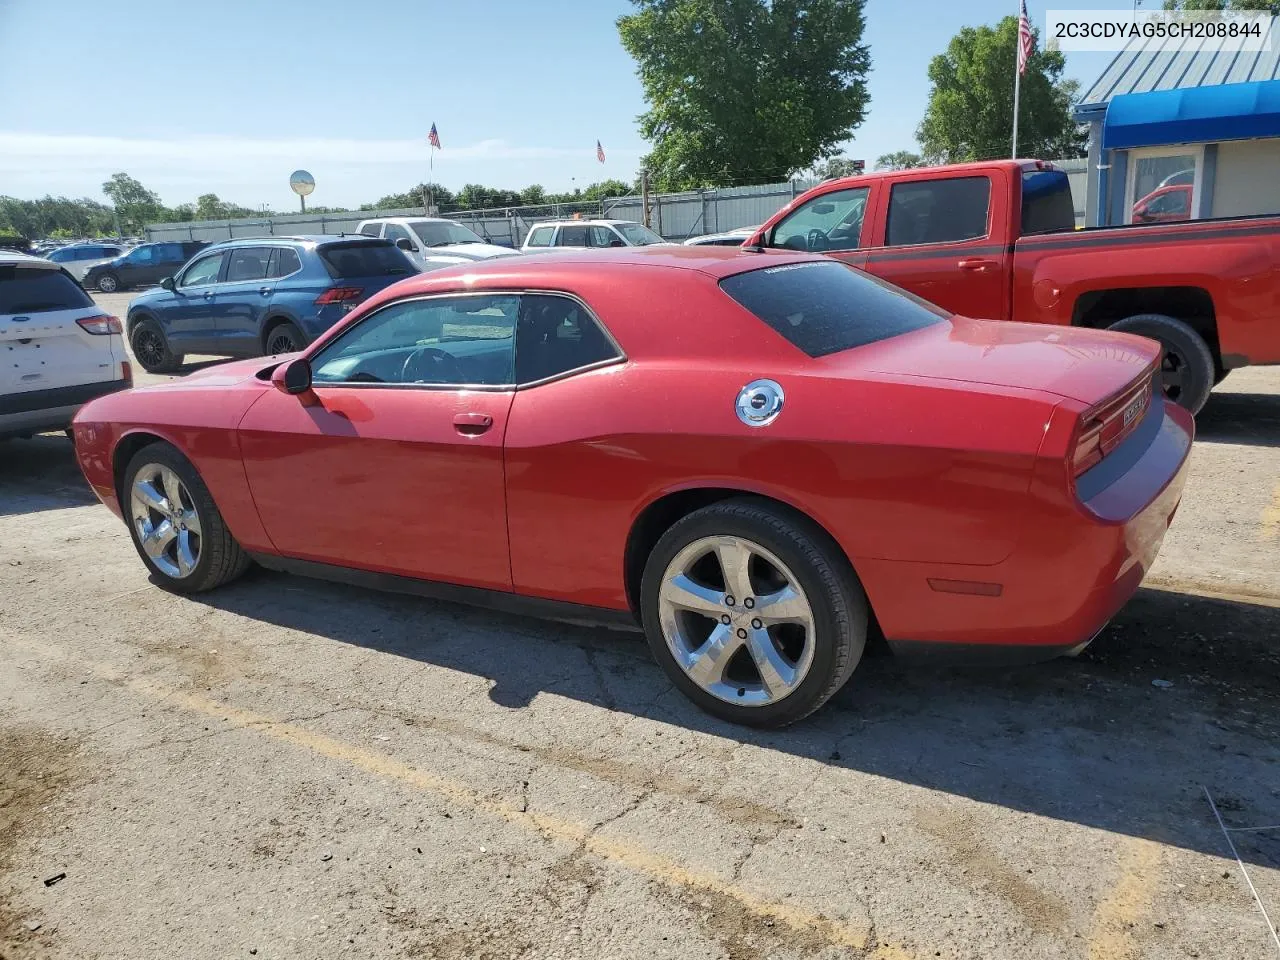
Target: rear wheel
pixel 753 612
pixel 175 525
pixel 1187 366
pixel 108 283
pixel 151 348
pixel 284 337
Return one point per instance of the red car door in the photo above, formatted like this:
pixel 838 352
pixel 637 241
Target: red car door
pixel 940 239
pixel 393 461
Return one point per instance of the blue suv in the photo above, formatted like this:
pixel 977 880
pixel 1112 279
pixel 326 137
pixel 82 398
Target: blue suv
pixel 260 296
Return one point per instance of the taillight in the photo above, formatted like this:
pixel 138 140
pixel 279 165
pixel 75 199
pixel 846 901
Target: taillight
pixel 1105 426
pixel 100 325
pixel 339 295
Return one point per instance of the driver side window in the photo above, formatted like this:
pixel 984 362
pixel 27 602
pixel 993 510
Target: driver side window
pixel 832 221
pixel 203 272
pixel 440 340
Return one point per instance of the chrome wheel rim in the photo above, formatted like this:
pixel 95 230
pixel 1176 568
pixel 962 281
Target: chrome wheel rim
pixel 165 521
pixel 736 620
pixel 107 284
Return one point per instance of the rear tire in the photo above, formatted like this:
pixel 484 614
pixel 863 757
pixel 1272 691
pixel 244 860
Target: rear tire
pixel 808 650
pixel 108 283
pixel 284 337
pixel 151 348
pixel 175 525
pixel 1187 366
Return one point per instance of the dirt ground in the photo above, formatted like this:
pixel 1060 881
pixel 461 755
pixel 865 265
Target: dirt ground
pixel 291 769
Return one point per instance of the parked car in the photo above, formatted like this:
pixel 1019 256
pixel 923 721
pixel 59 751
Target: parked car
pixel 1164 204
pixel 730 238
pixel 145 264
pixel 78 258
pixel 841 453
pixel 265 295
pixel 432 242
pixel 998 240
pixel 59 349
pixel 590 233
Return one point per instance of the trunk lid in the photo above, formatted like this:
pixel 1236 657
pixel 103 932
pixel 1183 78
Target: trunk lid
pixel 1070 362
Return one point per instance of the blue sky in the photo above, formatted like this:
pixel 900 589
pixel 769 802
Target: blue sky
pixel 232 96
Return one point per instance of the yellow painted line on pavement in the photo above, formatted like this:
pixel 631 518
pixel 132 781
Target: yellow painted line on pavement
pixel 1271 516
pixel 1116 918
pixel 620 852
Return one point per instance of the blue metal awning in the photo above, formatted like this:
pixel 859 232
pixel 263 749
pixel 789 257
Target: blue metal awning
pixel 1232 111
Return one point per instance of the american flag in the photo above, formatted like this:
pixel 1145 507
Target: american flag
pixel 1026 43
pixel 599 152
pixel 434 138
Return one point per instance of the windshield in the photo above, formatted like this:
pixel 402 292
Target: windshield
pixel 637 234
pixel 440 233
pixel 825 306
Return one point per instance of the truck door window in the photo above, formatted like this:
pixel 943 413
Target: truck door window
pixel 832 221
pixel 938 211
pixel 575 236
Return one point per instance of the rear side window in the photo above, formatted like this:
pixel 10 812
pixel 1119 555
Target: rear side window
pixel 555 335
pixel 826 306
pixel 248 263
pixel 575 236
pixel 284 262
pixel 39 290
pixel 365 259
pixel 540 237
pixel 938 211
pixel 1047 206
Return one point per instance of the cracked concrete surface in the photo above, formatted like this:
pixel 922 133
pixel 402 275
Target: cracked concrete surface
pixel 304 770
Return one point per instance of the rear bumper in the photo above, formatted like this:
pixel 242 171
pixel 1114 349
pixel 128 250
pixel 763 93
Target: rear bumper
pixel 38 410
pixel 1072 570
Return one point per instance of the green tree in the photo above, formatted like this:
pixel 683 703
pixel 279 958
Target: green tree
pixel 834 168
pixel 970 112
pixel 1237 6
pixel 745 91
pixel 899 160
pixel 605 189
pixel 533 194
pixel 135 205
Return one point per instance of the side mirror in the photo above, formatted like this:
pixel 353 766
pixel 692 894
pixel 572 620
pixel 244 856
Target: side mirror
pixel 168 284
pixel 292 377
pixel 405 244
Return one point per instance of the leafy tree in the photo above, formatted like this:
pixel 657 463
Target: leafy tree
pixel 135 204
pixel 970 112
pixel 443 198
pixel 745 91
pixel 899 160
pixel 605 189
pixel 1235 6
pixel 834 168
pixel 533 194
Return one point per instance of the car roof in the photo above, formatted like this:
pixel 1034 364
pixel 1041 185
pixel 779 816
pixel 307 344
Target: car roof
pixel 408 220
pixel 317 240
pixel 597 221
pixel 14 258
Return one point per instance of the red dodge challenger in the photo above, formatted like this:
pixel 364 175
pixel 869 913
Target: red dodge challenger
pixel 754 455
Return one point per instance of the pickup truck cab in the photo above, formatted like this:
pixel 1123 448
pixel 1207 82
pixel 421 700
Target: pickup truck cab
pixel 432 242
pixel 997 240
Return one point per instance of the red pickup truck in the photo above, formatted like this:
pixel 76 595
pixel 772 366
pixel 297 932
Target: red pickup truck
pixel 998 240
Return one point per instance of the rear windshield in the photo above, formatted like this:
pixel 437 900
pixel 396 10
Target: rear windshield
pixel 38 290
pixel 826 306
pixel 1047 206
pixel 376 258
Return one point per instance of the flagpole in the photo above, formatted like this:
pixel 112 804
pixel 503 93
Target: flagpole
pixel 1017 80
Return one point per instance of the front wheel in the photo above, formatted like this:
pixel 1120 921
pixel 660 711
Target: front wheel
pixel 753 612
pixel 1187 366
pixel 175 525
pixel 108 283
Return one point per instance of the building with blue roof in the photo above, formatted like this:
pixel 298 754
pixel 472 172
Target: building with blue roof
pixel 1180 130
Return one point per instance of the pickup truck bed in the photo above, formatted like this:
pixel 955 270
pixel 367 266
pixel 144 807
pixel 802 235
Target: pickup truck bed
pixel 997 240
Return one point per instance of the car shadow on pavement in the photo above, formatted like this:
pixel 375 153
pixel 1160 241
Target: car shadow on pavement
pixel 1092 740
pixel 1247 418
pixel 40 474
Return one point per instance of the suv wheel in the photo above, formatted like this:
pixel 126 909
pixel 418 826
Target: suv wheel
pixel 151 349
pixel 108 283
pixel 284 338
pixel 753 612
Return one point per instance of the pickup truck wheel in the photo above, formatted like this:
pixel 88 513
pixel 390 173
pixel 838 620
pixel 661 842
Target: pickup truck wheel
pixel 1220 375
pixel 1187 367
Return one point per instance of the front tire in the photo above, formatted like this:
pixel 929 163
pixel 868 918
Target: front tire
pixel 175 525
pixel 1187 367
pixel 151 347
pixel 108 283
pixel 753 612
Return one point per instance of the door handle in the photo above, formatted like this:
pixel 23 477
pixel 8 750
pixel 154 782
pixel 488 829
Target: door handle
pixel 976 264
pixel 208 295
pixel 265 291
pixel 472 424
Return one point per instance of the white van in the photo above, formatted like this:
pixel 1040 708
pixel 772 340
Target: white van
pixel 431 242
pixel 60 349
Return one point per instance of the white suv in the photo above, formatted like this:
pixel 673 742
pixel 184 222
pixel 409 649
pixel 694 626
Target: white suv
pixel 431 242
pixel 58 349
pixel 590 233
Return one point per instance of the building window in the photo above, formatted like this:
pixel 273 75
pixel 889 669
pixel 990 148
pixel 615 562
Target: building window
pixel 1163 185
